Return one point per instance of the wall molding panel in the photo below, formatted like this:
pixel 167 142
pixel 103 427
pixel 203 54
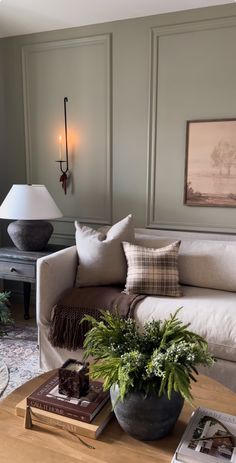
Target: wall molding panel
pixel 81 70
pixel 171 104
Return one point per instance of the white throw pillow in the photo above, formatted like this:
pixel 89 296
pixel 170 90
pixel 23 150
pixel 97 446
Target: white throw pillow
pixel 101 256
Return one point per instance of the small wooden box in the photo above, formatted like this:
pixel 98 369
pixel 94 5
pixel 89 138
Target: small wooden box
pixel 73 378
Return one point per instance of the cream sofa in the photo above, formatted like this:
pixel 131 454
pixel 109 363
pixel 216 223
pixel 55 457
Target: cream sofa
pixel 207 266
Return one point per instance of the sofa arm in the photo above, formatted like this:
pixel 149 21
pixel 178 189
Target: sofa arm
pixel 55 273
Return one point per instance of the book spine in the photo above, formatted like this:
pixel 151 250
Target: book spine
pixel 57 410
pixel 71 428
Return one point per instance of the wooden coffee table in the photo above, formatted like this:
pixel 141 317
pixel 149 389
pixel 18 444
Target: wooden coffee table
pixel 52 445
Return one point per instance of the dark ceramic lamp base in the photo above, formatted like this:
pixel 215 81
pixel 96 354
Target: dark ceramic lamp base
pixel 30 235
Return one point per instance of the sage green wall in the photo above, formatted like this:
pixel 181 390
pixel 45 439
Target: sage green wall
pixel 3 163
pixel 140 171
pixel 2 144
pixel 2 120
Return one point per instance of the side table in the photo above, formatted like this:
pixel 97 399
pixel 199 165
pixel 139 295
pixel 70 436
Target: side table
pixel 21 266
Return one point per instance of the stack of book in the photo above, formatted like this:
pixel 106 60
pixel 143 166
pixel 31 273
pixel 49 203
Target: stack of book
pixel 86 415
pixel 210 437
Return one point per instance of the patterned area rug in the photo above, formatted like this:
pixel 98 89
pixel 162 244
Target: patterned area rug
pixel 19 351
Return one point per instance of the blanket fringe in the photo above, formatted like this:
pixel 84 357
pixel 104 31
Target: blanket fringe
pixel 66 331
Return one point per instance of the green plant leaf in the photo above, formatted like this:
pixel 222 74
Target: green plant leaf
pixel 160 358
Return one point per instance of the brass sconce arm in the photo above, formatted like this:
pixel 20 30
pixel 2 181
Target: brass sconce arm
pixel 64 176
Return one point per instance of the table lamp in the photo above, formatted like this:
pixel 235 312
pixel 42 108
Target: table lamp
pixel 31 206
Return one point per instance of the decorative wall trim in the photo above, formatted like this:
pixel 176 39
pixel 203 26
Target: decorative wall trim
pixel 26 99
pixel 208 228
pixel 27 50
pixel 205 24
pixel 152 220
pixel 67 239
pixel 92 220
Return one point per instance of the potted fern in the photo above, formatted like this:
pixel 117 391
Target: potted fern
pixel 148 371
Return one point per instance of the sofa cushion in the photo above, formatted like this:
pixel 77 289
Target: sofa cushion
pixel 152 271
pixel 101 256
pixel 210 312
pixel 203 263
pixel 208 264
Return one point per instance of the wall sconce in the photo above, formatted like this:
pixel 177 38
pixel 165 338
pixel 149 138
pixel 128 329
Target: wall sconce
pixel 64 163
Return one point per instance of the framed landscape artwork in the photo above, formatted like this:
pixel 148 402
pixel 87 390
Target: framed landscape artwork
pixel 210 174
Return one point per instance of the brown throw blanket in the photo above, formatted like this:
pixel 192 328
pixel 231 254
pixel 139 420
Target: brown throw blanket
pixel 66 329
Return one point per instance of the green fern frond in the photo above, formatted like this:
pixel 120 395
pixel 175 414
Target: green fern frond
pixel 161 358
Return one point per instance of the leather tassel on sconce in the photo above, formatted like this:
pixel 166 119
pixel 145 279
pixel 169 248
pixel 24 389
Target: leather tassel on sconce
pixel 63 179
pixel 64 171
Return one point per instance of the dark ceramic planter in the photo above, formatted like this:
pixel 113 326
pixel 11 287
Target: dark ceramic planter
pixel 147 418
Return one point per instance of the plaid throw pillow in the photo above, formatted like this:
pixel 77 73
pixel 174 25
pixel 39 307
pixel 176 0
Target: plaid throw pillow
pixel 152 271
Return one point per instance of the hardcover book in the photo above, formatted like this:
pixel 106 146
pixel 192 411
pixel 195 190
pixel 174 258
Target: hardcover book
pixel 47 397
pixel 210 437
pixel 91 430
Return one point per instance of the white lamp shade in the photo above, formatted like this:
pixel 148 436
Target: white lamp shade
pixel 29 202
